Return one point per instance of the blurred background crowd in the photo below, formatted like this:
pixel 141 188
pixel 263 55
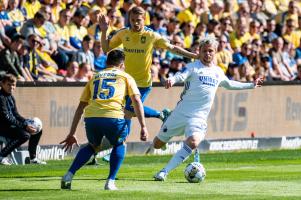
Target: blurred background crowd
pixel 59 40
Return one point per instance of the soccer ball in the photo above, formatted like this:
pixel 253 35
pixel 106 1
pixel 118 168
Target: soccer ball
pixel 195 172
pixel 35 122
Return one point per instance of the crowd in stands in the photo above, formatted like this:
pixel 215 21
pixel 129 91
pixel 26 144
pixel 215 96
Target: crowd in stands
pixel 59 40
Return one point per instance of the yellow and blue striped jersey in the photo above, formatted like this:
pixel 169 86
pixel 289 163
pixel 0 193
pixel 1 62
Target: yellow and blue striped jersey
pixel 138 49
pixel 106 93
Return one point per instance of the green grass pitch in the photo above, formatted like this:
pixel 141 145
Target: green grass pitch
pixel 274 175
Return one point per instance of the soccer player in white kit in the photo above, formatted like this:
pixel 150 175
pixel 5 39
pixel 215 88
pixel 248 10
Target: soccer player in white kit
pixel 201 80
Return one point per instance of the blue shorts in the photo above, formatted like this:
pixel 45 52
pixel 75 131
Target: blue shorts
pixel 115 130
pixel 144 93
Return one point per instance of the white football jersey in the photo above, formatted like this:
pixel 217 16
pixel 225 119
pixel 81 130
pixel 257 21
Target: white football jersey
pixel 200 85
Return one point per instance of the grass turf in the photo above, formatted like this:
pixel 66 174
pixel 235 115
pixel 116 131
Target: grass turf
pixel 265 175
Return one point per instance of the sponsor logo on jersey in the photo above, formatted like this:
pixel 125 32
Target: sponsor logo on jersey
pixel 134 50
pixel 208 80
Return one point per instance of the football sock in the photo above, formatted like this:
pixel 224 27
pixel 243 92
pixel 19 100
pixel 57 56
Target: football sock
pixel 33 143
pixel 116 159
pixel 149 112
pixel 178 158
pixel 81 158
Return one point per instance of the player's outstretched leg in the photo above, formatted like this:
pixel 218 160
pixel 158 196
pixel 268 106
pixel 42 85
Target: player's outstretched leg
pixel 81 158
pixel 116 159
pixel 175 161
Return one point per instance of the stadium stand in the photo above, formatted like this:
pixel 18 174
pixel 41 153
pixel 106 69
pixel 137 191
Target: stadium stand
pixel 60 26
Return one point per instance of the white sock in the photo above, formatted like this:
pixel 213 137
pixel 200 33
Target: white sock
pixel 178 158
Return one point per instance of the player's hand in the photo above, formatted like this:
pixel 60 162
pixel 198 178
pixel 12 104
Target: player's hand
pixel 258 82
pixel 31 129
pixel 143 134
pixel 169 83
pixel 69 142
pixel 103 23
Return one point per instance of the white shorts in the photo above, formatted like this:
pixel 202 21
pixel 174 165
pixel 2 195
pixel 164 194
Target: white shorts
pixel 177 125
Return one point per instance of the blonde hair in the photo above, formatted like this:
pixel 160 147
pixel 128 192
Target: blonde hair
pixel 209 40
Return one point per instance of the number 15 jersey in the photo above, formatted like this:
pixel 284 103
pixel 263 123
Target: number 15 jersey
pixel 106 93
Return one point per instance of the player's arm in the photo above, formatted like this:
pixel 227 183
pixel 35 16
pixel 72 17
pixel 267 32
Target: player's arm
pixel 71 138
pixel 84 99
pixel 179 77
pixel 180 51
pixel 235 85
pixel 104 25
pixel 108 42
pixel 138 107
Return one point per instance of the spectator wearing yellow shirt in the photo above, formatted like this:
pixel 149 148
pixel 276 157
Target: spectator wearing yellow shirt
pixel 15 14
pixel 291 13
pixel 290 34
pixel 187 34
pixel 254 30
pixel 95 31
pixel 216 10
pixel 32 26
pixel 191 14
pixel 223 55
pixel 115 4
pixel 100 5
pixel 31 8
pixel 63 31
pixel 76 29
pixel 56 7
pixel 243 12
pixel 240 36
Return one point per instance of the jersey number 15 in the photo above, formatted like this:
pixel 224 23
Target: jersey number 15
pixel 106 90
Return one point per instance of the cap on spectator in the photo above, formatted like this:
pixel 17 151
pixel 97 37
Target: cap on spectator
pixel 80 13
pixel 233 65
pixel 239 59
pixel 146 2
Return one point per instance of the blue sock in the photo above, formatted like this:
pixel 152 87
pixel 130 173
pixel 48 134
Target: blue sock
pixel 116 159
pixel 149 112
pixel 81 158
pixel 129 123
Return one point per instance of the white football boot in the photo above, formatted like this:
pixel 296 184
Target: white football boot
pixel 161 175
pixel 110 185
